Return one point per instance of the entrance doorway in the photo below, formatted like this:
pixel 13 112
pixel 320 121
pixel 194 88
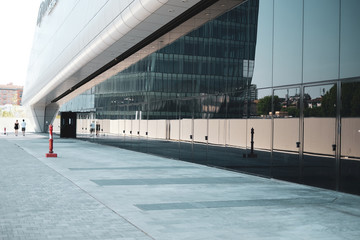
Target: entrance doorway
pixel 68 125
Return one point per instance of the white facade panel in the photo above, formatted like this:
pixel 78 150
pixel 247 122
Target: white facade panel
pixel 80 34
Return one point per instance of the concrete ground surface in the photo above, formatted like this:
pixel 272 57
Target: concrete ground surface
pixel 91 191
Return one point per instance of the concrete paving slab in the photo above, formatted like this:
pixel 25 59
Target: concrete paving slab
pixel 91 191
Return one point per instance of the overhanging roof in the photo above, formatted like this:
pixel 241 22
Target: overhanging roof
pixel 125 41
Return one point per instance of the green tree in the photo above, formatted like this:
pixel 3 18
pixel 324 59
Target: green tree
pixel 7 114
pixel 292 111
pixel 313 112
pixel 350 97
pixel 328 103
pixel 264 105
pixel 355 103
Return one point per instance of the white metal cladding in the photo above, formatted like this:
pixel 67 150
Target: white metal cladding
pixel 79 37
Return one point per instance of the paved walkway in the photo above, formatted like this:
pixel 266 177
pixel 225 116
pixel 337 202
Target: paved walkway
pixel 99 192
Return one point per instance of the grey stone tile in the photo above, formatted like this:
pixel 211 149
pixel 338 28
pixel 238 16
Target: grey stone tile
pixel 164 181
pixel 141 196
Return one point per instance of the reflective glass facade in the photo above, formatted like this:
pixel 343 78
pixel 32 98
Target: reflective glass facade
pixel 214 59
pixel 289 110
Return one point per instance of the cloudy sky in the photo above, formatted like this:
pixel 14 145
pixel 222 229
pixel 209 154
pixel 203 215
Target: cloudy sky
pixel 17 26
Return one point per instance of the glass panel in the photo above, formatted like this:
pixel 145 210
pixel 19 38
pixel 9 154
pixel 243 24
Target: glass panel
pixel 350 38
pixel 91 124
pixel 319 136
pixel 201 107
pixel 115 135
pixel 172 129
pixel 287 42
pixel 122 135
pixel 235 152
pixel 159 129
pixel 321 40
pixel 258 135
pixel 217 133
pixel 135 132
pixel 129 115
pixel 286 138
pixel 186 129
pixel 143 129
pixel 350 138
pixel 264 45
pixel 85 125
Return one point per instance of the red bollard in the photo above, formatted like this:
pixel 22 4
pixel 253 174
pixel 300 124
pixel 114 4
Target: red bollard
pixel 51 153
pixel 4 130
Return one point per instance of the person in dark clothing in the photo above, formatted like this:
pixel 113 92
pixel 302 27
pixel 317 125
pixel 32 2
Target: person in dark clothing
pixel 16 127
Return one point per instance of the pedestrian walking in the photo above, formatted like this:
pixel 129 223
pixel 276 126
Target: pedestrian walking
pixel 16 127
pixel 92 127
pixel 23 127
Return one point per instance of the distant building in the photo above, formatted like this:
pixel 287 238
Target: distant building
pixel 313 103
pixel 10 94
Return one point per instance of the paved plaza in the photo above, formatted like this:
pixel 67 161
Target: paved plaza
pixel 92 191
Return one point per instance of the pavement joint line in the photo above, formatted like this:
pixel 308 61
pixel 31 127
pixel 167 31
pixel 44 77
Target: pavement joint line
pixel 342 211
pixel 303 202
pixel 105 205
pixel 118 214
pixel 260 208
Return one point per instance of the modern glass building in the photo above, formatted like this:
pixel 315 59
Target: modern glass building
pixel 269 87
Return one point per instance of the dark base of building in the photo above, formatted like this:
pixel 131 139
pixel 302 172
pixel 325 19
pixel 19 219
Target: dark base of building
pixel 318 171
